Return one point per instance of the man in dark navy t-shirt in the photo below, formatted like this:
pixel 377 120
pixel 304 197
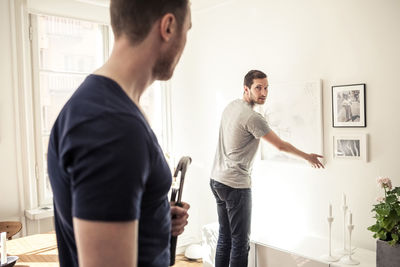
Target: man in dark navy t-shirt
pixel 108 173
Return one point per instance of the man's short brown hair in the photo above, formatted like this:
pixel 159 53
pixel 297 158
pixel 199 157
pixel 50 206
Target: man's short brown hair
pixel 135 18
pixel 251 75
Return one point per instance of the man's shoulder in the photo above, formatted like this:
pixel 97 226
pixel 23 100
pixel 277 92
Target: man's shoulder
pixel 99 99
pixel 238 107
pixel 236 102
pixel 94 111
pixel 99 92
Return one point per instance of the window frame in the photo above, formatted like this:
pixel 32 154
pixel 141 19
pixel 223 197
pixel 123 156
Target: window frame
pixel 40 170
pixel 27 106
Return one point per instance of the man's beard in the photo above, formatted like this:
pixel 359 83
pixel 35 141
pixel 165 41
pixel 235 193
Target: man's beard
pixel 254 100
pixel 164 67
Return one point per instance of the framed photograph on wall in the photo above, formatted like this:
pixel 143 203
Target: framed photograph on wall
pixel 350 147
pixel 348 105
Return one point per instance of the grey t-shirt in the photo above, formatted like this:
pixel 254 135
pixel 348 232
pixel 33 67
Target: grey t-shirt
pixel 239 135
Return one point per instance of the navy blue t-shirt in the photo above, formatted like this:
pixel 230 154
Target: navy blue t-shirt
pixel 105 164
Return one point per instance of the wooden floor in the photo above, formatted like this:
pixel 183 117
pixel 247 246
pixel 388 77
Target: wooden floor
pixel 182 261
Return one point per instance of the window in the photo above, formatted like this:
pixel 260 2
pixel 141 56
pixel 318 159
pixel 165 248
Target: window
pixel 155 102
pixel 64 51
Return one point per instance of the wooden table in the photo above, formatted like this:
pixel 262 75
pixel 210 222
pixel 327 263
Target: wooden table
pixel 41 251
pixel 35 250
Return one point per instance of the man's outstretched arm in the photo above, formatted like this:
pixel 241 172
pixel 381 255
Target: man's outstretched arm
pixel 276 141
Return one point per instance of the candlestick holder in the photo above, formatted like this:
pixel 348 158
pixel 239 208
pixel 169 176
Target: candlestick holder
pixel 344 250
pixel 348 258
pixel 329 257
pixel 3 248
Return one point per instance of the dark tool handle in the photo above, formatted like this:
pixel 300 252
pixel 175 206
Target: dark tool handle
pixel 182 167
pixel 174 240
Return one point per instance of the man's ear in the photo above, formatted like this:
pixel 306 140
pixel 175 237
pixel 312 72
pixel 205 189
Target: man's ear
pixel 167 26
pixel 246 89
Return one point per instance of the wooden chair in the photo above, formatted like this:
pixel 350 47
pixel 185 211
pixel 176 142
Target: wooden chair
pixel 11 228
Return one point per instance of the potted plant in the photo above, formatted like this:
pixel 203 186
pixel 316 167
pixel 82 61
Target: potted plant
pixel 387 226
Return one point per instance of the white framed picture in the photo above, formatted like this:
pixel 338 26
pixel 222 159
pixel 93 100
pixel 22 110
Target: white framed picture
pixel 350 146
pixel 296 119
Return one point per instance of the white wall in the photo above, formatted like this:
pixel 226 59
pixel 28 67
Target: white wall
pixel 340 42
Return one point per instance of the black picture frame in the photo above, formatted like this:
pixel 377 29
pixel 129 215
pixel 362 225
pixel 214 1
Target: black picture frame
pixel 349 106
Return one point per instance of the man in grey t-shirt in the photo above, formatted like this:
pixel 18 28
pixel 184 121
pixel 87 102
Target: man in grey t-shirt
pixel 240 132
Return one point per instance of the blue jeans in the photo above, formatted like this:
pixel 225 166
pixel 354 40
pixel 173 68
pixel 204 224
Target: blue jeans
pixel 234 217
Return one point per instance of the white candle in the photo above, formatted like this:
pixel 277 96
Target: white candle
pixel 344 199
pixel 330 210
pixel 3 248
pixel 351 219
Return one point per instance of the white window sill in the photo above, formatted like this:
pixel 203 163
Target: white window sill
pixel 40 213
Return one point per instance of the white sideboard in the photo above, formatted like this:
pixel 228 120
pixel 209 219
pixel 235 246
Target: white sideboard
pixel 303 252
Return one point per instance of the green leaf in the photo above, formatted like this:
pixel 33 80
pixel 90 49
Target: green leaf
pixel 374 228
pixel 388 224
pixel 382 235
pixel 385 210
pixel 395 237
pixel 392 242
pixel 397 208
pixel 391 199
pixel 397 190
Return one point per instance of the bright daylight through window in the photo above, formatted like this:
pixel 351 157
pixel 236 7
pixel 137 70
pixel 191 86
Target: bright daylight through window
pixel 64 52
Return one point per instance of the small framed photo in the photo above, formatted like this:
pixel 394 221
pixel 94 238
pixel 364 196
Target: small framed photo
pixel 350 147
pixel 348 105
